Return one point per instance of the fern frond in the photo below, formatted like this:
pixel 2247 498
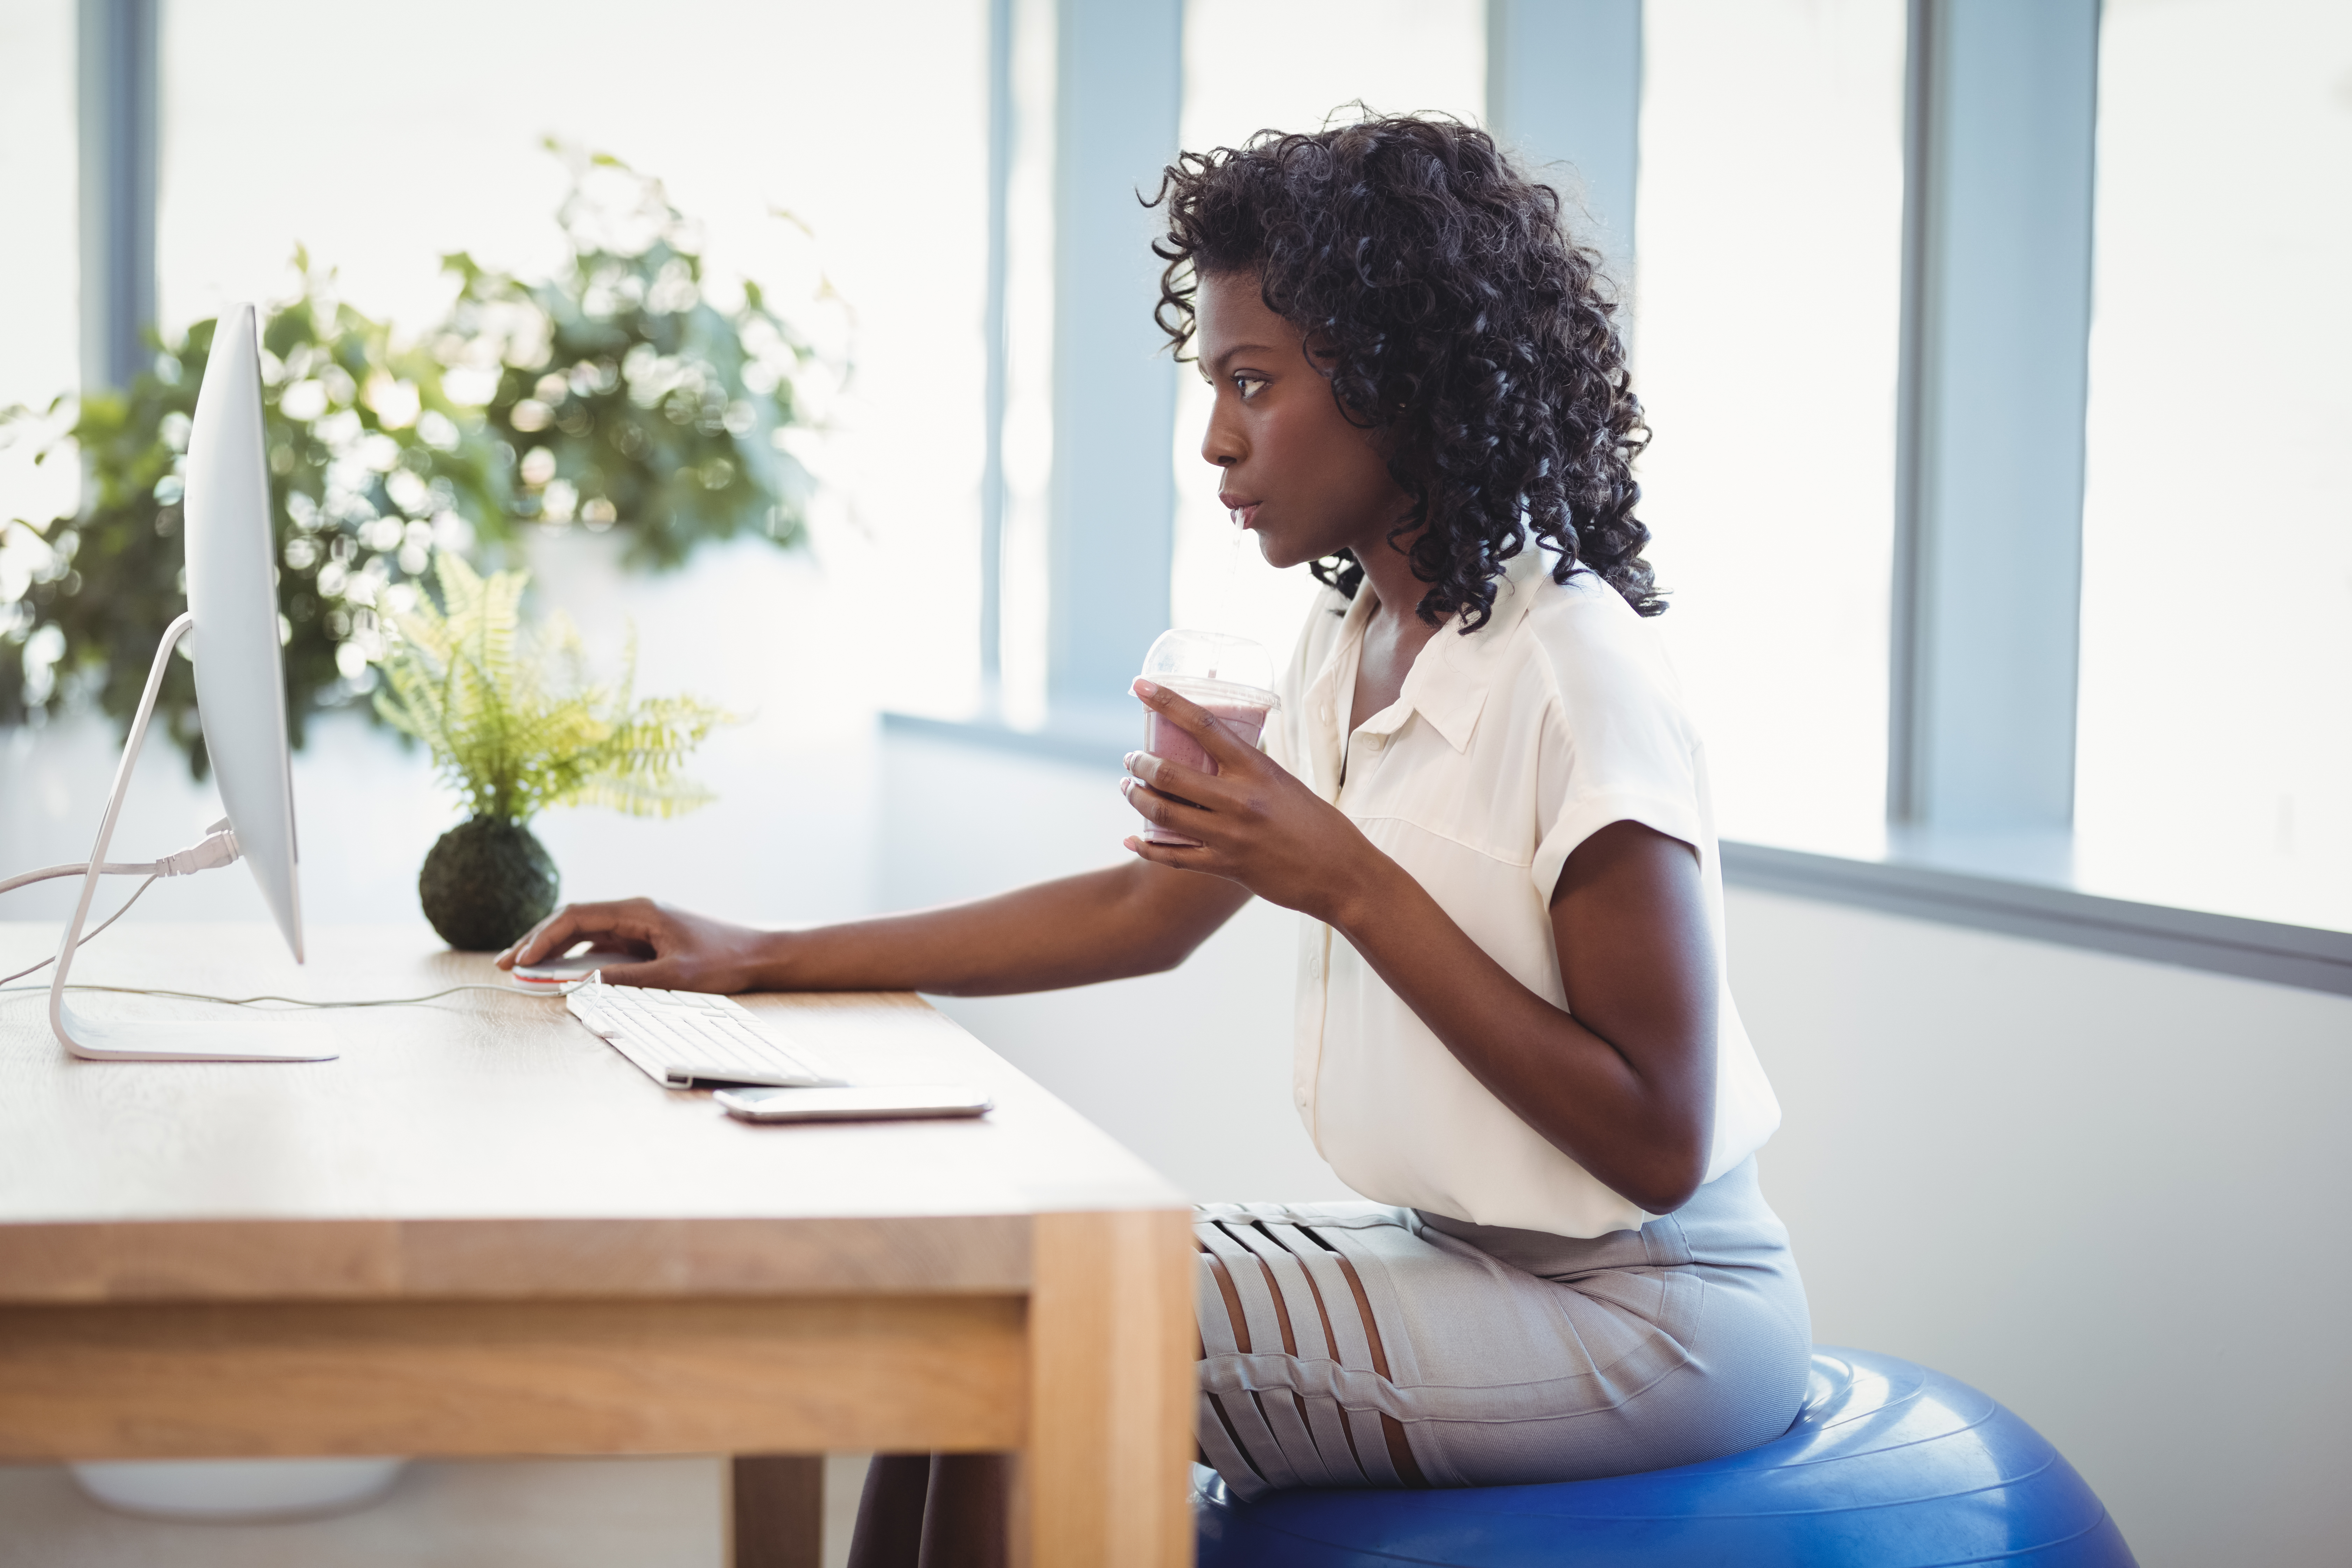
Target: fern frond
pixel 643 797
pixel 510 717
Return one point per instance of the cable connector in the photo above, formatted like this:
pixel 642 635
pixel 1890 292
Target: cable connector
pixel 218 849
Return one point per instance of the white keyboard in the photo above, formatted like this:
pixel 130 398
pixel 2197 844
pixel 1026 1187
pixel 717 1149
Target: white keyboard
pixel 684 1039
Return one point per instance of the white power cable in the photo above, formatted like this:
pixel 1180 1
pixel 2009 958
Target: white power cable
pixel 216 847
pixel 111 868
pixel 85 935
pixel 289 1001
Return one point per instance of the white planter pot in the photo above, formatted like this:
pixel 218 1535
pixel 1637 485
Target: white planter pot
pixel 237 1492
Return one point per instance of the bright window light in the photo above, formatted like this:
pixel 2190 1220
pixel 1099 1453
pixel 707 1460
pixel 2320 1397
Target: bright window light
pixel 39 340
pixel 1024 614
pixel 1768 233
pixel 2215 729
pixel 1289 64
pixel 382 137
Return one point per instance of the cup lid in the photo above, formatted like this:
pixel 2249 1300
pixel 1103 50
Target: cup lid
pixel 1194 688
pixel 1211 658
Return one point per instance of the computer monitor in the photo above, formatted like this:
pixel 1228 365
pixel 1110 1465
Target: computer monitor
pixel 231 626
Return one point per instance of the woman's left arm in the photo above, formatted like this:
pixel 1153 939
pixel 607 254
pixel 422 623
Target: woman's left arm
pixel 1621 1081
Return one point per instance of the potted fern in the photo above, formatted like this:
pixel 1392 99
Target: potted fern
pixel 515 727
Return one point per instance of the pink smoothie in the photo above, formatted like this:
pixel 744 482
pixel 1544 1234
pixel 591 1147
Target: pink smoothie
pixel 1165 741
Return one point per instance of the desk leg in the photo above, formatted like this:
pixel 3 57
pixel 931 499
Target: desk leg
pixel 1111 1392
pixel 775 1510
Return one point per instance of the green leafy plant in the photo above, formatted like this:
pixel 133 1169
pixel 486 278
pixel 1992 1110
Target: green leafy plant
pixel 514 725
pixel 615 395
pixel 372 466
pixel 634 399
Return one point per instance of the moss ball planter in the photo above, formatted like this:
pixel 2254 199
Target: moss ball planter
pixel 485 882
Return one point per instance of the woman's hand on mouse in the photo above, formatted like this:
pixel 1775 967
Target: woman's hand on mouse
pixel 1257 825
pixel 673 950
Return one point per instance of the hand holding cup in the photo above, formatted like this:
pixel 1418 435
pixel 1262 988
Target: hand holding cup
pixel 1237 814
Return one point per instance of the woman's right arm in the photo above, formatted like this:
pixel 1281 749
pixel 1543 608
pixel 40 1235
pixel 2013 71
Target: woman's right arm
pixel 1122 920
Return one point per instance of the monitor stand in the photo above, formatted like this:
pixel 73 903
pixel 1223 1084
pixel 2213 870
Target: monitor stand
pixel 246 1039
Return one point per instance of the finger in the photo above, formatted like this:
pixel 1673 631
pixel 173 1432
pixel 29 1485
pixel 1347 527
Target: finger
pixel 1174 778
pixel 528 947
pixel 635 920
pixel 1199 862
pixel 1176 856
pixel 1196 722
pixel 1166 810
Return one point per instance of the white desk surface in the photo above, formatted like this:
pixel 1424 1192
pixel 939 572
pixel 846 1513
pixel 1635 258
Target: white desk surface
pixel 490 1146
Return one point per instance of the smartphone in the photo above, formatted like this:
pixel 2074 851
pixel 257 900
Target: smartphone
pixel 875 1103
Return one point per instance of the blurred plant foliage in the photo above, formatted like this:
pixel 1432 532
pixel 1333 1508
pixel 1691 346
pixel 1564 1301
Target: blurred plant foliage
pixel 615 395
pixel 371 463
pixel 513 722
pixel 636 400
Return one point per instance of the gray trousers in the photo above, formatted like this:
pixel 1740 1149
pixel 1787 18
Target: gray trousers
pixel 1358 1345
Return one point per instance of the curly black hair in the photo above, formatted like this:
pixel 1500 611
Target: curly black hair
pixel 1457 317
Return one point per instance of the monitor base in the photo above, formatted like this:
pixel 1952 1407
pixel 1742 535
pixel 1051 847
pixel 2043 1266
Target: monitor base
pixel 178 1040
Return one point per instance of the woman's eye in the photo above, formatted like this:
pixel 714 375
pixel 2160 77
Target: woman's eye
pixel 1248 385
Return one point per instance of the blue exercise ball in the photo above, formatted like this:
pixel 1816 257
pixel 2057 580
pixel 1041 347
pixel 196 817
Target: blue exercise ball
pixel 1888 1466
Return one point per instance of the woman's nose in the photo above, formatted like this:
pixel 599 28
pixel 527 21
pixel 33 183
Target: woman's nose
pixel 1221 445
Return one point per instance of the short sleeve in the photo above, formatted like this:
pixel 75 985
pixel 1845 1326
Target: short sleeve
pixel 1615 747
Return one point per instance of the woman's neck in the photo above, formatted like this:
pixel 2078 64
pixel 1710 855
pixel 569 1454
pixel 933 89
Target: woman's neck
pixel 1388 572
pixel 1394 633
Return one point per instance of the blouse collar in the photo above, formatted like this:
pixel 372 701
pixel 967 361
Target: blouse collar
pixel 1448 683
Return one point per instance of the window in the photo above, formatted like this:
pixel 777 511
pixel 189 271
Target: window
pixel 1765 334
pixel 1024 612
pixel 39 346
pixel 2215 729
pixel 1250 65
pixel 864 124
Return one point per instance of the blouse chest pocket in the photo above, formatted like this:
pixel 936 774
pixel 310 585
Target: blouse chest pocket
pixel 1413 776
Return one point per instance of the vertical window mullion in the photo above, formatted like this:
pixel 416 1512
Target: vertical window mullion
pixel 1120 94
pixel 1564 86
pixel 1987 588
pixel 118 112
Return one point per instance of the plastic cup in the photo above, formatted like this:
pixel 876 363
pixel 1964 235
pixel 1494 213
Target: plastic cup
pixel 1229 676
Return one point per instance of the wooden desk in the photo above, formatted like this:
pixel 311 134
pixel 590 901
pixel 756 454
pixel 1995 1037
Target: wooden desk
pixel 480 1231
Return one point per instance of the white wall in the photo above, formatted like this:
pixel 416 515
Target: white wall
pixel 2110 1194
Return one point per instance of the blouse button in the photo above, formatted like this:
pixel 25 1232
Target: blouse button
pixel 1315 968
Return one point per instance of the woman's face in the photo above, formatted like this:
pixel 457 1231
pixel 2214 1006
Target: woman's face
pixel 1294 471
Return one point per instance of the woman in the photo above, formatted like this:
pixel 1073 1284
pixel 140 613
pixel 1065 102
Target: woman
pixel 1482 795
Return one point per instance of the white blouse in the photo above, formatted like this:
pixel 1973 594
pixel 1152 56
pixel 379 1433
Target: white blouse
pixel 1506 749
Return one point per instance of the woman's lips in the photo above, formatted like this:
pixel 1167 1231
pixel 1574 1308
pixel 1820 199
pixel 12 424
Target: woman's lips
pixel 1245 515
